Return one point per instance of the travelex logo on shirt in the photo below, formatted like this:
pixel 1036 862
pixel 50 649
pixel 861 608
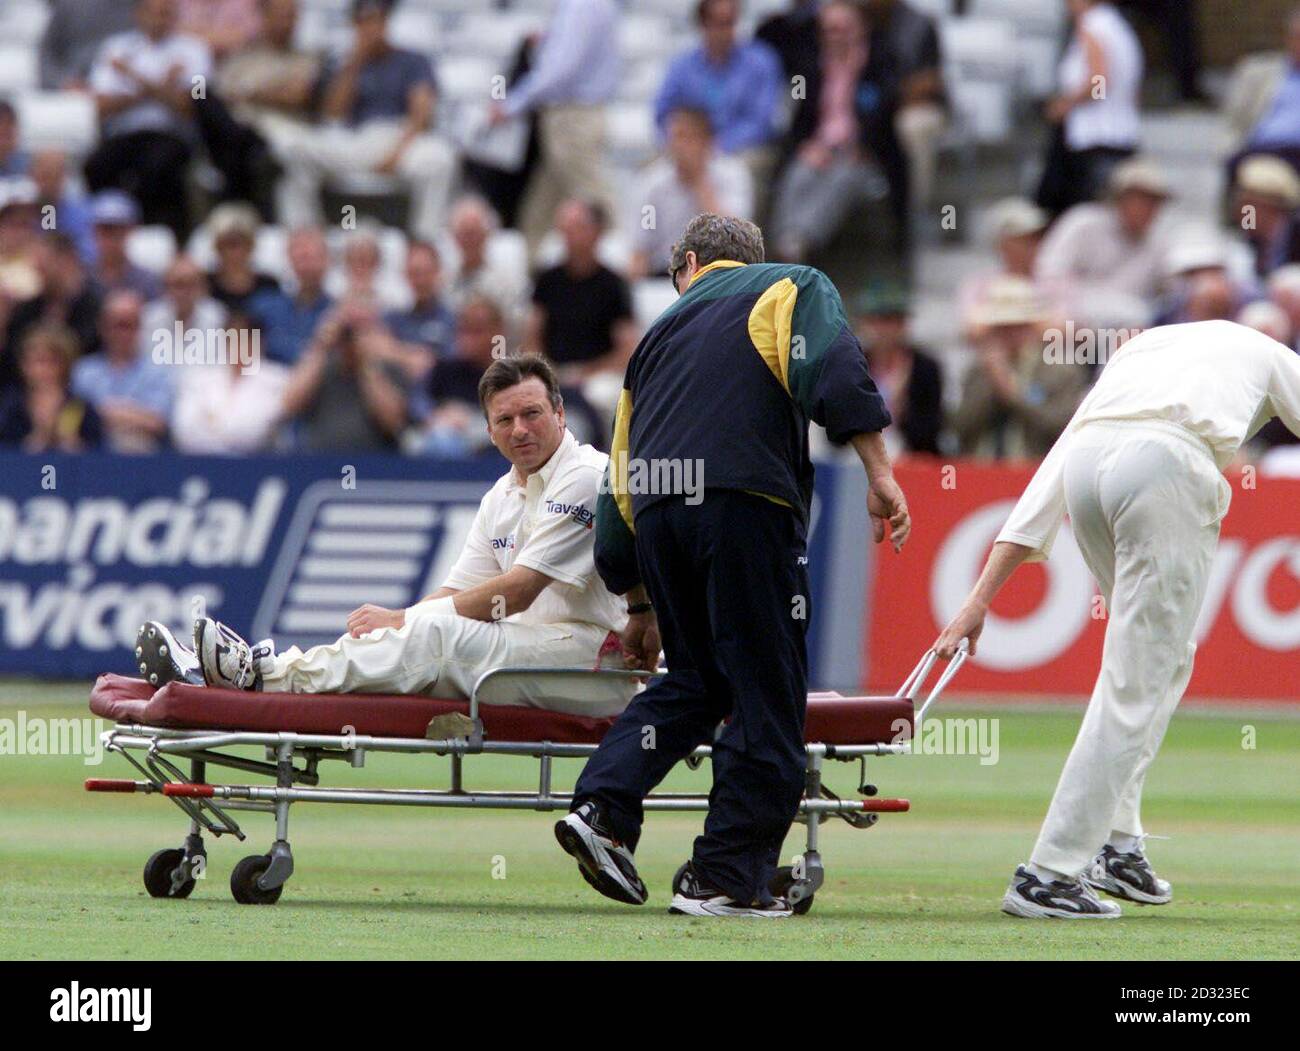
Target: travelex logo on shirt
pixel 580 514
pixel 503 543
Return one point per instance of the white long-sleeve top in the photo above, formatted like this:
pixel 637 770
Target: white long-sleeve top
pixel 1217 380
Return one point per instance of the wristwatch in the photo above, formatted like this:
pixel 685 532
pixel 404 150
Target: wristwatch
pixel 640 607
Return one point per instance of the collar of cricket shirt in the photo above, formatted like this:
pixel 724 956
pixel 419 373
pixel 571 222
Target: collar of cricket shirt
pixel 717 264
pixel 543 474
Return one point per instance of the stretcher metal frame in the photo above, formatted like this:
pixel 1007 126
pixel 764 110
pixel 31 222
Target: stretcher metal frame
pixel 293 761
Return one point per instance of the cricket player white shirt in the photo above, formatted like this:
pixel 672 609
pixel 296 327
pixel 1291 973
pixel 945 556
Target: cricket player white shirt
pixel 545 523
pixel 1211 383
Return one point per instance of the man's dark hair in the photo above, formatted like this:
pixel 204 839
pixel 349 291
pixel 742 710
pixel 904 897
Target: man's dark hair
pixel 700 116
pixel 7 111
pixel 713 237
pixel 365 7
pixel 507 372
pixel 702 9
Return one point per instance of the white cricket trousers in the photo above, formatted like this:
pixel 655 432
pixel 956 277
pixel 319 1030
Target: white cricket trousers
pixel 444 655
pixel 1145 501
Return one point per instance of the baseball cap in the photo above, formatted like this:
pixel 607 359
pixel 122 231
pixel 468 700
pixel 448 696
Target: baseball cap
pixel 1196 252
pixel 883 299
pixel 114 208
pixel 1267 176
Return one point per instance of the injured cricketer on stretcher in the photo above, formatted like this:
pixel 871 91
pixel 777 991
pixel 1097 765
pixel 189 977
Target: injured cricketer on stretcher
pixel 524 592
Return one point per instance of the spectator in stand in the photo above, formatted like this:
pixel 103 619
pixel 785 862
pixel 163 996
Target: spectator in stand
pixel 1016 226
pixel 114 216
pixel 185 300
pixel 737 83
pixel 362 261
pixel 793 36
pixel 582 311
pixel 14 161
pixel 909 379
pixel 451 419
pixel 692 178
pixel 288 318
pixel 345 393
pixel 70 211
pixel 42 415
pixel 224 408
pixel 235 282
pixel 1198 271
pixel 1015 403
pixel 574 74
pixel 1111 256
pixel 73 36
pixel 143 82
pixel 427 326
pixel 225 26
pixel 67 299
pixel 1096 113
pixel 843 149
pixel 473 224
pixel 1270 319
pixel 131 394
pixel 912 38
pixel 1268 194
pixel 1284 294
pixel 1175 22
pixel 20 278
pixel 380 101
pixel 1264 106
pixel 270 84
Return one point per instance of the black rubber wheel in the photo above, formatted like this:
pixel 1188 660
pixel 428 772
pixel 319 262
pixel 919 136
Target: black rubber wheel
pixel 243 881
pixel 782 882
pixel 158 874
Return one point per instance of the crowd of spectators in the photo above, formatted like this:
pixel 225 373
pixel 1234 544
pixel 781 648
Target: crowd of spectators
pixel 224 141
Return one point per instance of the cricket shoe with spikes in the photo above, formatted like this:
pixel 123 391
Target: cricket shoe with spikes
pixel 1128 875
pixel 226 659
pixel 161 659
pixel 1032 898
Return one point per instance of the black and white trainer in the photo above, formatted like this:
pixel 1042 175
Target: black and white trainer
pixel 224 657
pixel 161 659
pixel 1031 897
pixel 1127 875
pixel 692 896
pixel 604 862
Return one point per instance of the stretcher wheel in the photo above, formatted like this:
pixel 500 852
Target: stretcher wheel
pixel 243 881
pixel 158 874
pixel 781 884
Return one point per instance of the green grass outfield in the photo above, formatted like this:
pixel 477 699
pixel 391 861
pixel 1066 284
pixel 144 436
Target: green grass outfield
pixel 400 883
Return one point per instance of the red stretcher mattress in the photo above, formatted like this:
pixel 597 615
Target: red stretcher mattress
pixel 832 719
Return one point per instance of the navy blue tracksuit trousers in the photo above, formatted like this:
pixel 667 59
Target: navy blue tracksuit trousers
pixel 728 579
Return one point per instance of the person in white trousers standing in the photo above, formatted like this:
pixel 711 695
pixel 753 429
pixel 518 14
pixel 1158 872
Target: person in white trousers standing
pixel 1139 470
pixel 524 592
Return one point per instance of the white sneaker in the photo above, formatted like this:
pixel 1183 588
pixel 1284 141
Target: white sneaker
pixel 1030 897
pixel 1128 876
pixel 604 862
pixel 693 897
pixel 225 658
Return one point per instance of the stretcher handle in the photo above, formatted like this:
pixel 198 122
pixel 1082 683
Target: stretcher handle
pixel 949 673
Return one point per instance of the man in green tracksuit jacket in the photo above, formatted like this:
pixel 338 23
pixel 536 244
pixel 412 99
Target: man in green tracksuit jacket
pixel 703 525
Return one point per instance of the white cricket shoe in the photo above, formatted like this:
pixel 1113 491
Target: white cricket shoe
pixel 161 659
pixel 224 657
pixel 1128 876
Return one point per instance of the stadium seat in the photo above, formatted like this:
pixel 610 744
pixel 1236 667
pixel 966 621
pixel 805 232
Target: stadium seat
pixel 494 34
pixel 23 21
pixel 19 69
pixel 633 139
pixel 651 297
pixel 64 120
pixel 153 248
pixel 1030 17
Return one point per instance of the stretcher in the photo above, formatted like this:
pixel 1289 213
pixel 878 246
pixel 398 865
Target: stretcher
pixel 174 735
